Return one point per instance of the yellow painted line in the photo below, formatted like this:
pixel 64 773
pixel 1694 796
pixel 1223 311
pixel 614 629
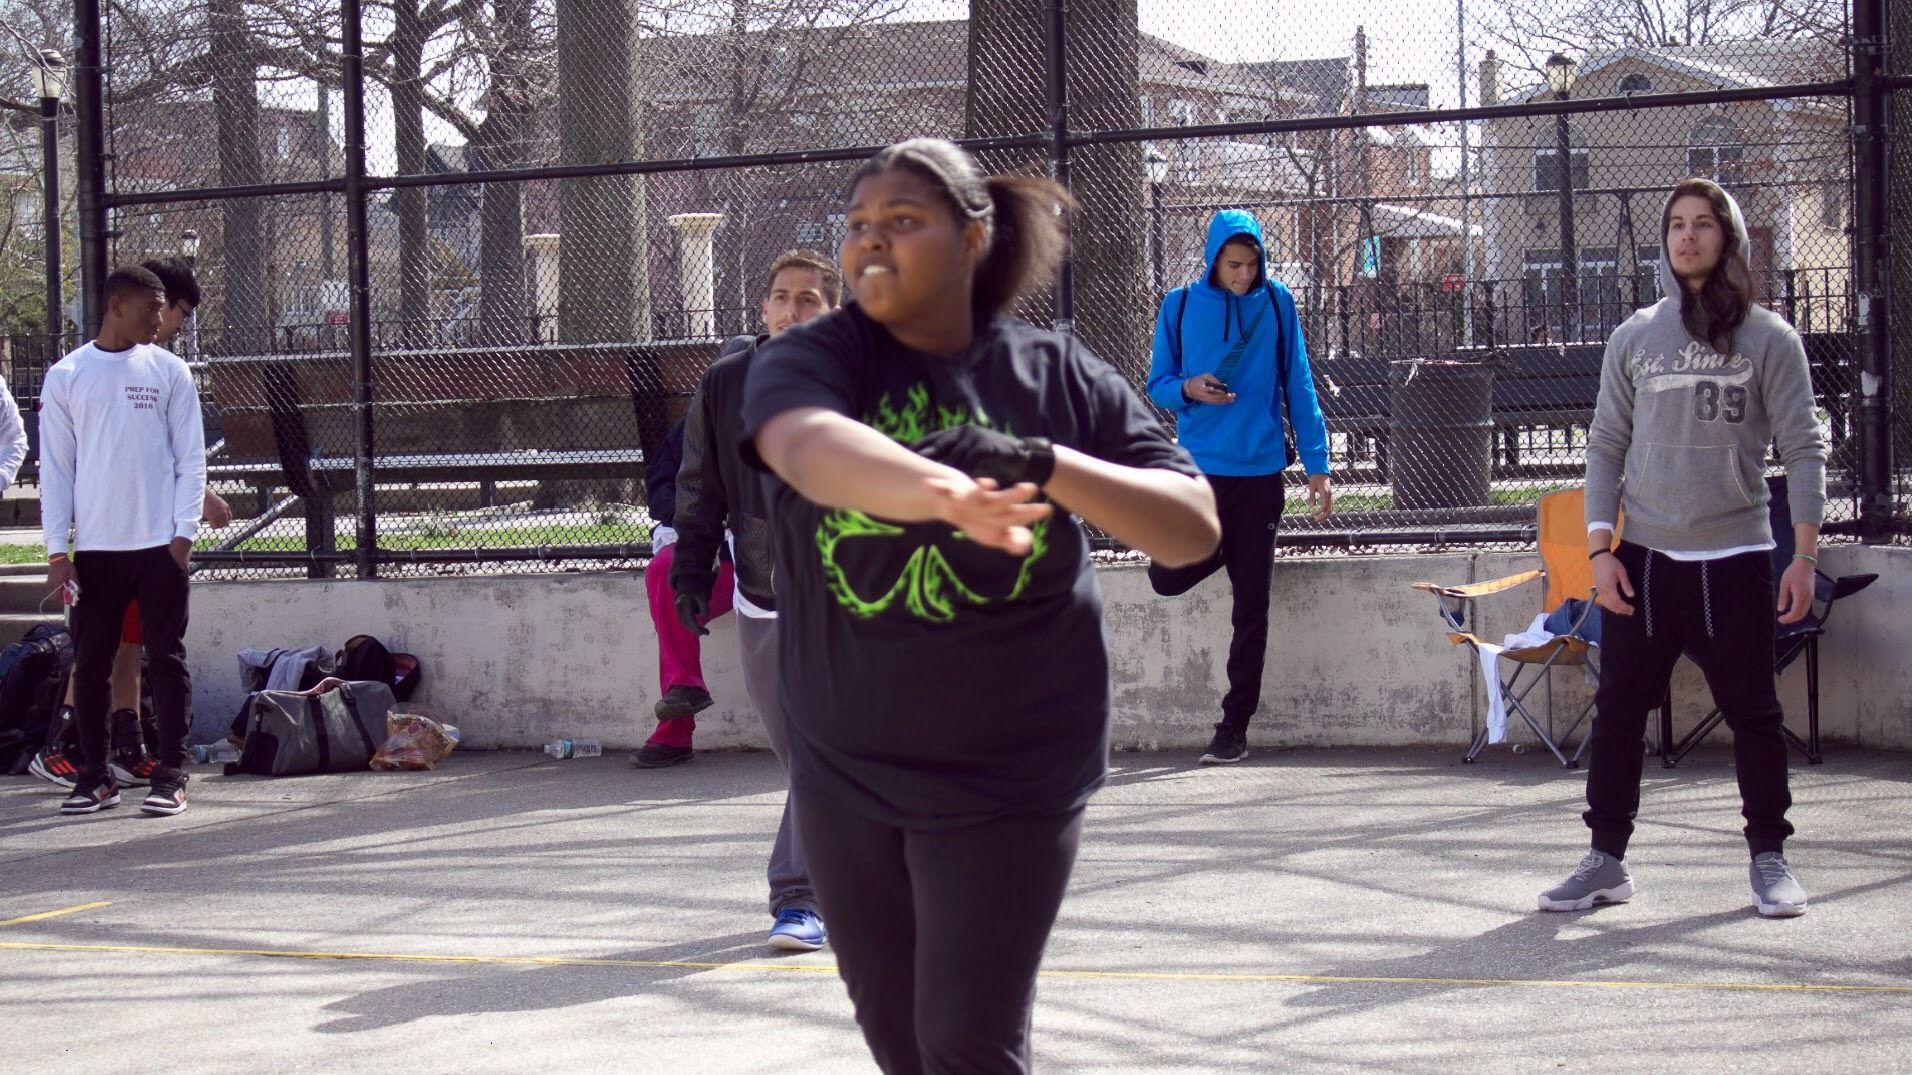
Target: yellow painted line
pixel 55 914
pixel 1335 979
pixel 819 968
pixel 405 957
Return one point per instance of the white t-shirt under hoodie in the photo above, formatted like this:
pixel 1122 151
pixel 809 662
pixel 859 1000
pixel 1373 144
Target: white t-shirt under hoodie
pixel 122 450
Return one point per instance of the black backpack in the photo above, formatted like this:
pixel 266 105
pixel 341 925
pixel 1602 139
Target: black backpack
pixel 365 659
pixel 32 678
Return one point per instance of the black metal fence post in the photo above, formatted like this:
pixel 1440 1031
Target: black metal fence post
pixel 1868 262
pixel 89 152
pixel 357 232
pixel 50 223
pixel 1058 92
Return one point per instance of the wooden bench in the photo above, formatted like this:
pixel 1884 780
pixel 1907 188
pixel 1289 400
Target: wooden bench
pixel 484 415
pixel 1535 386
pixel 1542 386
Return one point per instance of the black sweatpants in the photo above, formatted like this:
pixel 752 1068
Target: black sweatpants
pixel 938 934
pixel 1250 509
pixel 108 580
pixel 1720 612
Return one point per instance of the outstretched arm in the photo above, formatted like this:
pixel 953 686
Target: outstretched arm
pixel 837 462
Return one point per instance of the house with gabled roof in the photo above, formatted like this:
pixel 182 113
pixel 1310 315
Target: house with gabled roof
pixel 1784 160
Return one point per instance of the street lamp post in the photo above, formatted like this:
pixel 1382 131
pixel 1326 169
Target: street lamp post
pixel 189 253
pixel 1158 174
pixel 1561 73
pixel 49 81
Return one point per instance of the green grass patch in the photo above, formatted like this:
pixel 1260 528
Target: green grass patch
pixel 1297 503
pixel 458 538
pixel 22 554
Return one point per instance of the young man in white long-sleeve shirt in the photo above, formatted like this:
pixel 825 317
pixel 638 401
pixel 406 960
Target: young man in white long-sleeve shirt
pixel 123 465
pixel 133 734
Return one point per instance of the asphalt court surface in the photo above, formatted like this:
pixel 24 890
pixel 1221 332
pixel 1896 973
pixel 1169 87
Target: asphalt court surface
pixel 1305 911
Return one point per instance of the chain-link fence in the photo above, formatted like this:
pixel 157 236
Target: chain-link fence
pixel 458 340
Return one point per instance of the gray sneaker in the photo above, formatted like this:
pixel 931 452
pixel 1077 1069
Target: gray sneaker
pixel 1776 892
pixel 1600 878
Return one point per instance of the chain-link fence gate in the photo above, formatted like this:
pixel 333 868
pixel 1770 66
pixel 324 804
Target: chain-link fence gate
pixel 464 262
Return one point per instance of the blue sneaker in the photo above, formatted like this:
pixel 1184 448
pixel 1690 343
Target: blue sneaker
pixel 798 931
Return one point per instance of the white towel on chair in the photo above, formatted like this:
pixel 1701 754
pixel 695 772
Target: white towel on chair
pixel 1490 679
pixel 1536 634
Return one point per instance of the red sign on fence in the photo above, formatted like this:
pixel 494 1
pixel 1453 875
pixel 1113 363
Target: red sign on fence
pixel 1453 282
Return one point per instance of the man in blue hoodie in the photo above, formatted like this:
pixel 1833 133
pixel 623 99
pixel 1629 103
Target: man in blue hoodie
pixel 1230 364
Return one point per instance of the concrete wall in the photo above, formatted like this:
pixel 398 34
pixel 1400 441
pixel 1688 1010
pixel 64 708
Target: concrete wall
pixel 1355 657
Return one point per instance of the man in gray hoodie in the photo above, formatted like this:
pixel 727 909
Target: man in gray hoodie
pixel 1693 390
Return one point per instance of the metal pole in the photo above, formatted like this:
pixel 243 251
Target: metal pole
pixel 1569 259
pixel 357 235
pixel 1155 235
pixel 1467 203
pixel 89 155
pixel 1059 145
pixel 50 221
pixel 326 268
pixel 1868 262
pixel 192 319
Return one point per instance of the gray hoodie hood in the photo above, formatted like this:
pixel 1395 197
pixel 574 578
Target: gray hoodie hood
pixel 1670 283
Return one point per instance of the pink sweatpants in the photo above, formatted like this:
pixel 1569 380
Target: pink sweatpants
pixel 678 662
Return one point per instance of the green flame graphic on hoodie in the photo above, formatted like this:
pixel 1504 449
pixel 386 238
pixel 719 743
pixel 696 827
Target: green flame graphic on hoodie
pixel 928 585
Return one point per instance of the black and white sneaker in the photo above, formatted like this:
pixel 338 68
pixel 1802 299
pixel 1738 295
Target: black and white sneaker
pixel 94 790
pixel 682 701
pixel 1227 747
pixel 169 793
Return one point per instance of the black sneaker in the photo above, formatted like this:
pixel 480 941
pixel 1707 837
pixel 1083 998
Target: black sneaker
pixel 1228 746
pixel 55 766
pixel 681 701
pixel 135 771
pixel 169 793
pixel 94 790
pixel 124 731
pixel 659 756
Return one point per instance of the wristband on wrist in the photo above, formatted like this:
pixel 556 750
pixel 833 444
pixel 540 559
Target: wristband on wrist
pixel 1598 553
pixel 1809 558
pixel 1041 465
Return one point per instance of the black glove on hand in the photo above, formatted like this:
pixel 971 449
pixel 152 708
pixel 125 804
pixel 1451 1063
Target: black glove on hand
pixel 985 453
pixel 692 610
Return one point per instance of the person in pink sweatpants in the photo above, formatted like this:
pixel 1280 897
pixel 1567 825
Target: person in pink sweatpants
pixel 680 670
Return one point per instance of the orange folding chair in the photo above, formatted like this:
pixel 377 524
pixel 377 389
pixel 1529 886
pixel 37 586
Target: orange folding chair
pixel 1564 566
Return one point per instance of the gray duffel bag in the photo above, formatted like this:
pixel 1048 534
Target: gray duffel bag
pixel 335 727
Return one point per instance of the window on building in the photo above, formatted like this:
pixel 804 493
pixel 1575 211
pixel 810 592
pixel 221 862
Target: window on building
pixel 1602 305
pixel 1413 168
pixel 285 142
pixel 1715 150
pixel 1646 275
pixel 1832 205
pixel 1547 160
pixel 1148 111
pixel 26 213
pixel 1182 113
pixel 1636 84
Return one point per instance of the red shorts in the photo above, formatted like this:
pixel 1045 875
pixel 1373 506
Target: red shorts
pixel 129 627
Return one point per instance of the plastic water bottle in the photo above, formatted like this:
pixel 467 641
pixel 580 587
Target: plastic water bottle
pixel 574 748
pixel 215 753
